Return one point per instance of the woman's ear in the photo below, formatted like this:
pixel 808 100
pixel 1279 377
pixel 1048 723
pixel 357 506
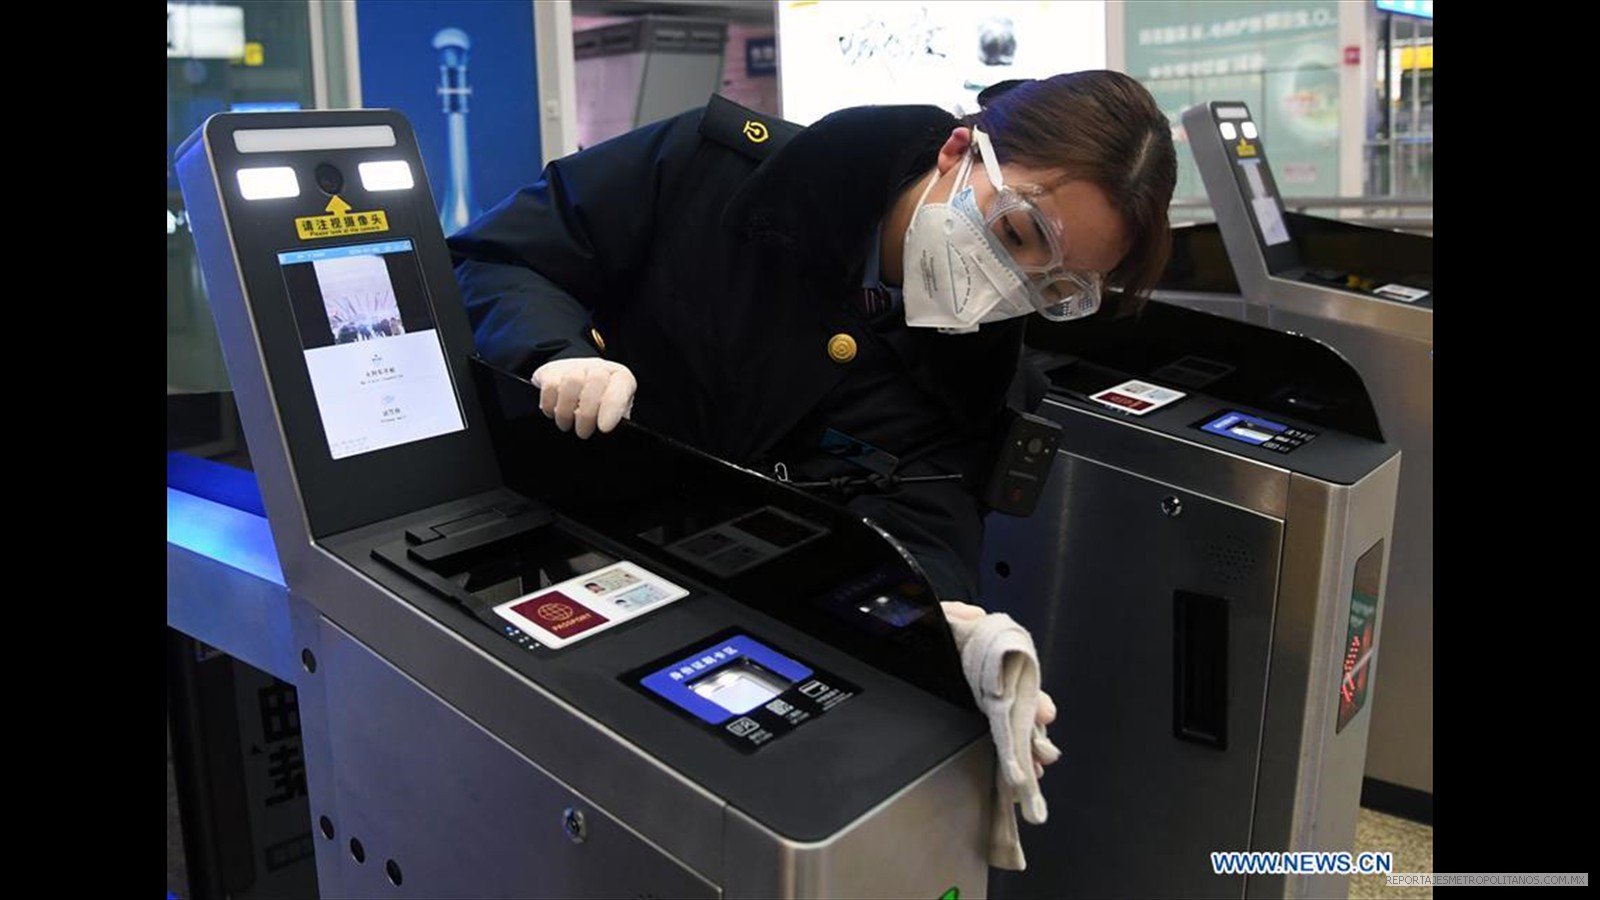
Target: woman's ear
pixel 955 147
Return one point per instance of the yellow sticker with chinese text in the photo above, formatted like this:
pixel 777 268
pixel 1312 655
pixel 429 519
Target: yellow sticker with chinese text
pixel 340 221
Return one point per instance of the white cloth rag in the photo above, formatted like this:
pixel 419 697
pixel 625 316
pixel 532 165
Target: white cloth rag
pixel 1002 667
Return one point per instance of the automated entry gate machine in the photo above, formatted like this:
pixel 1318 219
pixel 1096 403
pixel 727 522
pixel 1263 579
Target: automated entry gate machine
pixel 534 666
pixel 1368 293
pixel 1204 582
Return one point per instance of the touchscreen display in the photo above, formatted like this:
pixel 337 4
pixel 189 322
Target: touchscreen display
pixel 1268 218
pixel 376 363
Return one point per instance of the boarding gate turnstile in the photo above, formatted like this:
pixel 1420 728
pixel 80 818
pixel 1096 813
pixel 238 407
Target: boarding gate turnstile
pixel 1204 581
pixel 1368 293
pixel 534 666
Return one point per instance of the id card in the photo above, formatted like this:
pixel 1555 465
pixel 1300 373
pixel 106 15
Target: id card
pixel 1400 292
pixel 589 604
pixel 1137 397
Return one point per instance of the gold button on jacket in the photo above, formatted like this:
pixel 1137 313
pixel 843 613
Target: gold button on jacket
pixel 842 348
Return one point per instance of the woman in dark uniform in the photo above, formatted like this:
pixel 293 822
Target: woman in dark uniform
pixel 747 286
pixel 764 291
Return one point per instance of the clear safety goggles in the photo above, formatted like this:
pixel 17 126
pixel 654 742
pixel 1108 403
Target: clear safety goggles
pixel 1034 243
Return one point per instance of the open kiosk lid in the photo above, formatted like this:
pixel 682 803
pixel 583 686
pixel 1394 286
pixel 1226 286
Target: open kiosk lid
pixel 776 549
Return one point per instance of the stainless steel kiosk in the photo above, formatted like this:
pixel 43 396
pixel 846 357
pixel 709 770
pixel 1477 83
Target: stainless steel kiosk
pixel 533 666
pixel 1368 293
pixel 1204 581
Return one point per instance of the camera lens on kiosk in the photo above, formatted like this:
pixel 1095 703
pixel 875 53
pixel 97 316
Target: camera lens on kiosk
pixel 329 179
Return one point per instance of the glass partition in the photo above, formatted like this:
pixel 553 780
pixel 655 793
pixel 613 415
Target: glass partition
pixel 247 55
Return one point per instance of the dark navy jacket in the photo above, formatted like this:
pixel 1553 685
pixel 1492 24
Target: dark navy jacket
pixel 718 255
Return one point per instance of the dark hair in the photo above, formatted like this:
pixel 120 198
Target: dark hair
pixel 1102 127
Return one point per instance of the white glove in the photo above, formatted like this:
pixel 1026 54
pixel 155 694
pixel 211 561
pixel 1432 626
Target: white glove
pixel 587 391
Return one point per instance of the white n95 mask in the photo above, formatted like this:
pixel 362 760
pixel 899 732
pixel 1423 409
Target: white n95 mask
pixel 954 277
pixel 960 272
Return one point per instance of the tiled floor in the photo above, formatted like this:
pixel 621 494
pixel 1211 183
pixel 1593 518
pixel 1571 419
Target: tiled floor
pixel 1412 846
